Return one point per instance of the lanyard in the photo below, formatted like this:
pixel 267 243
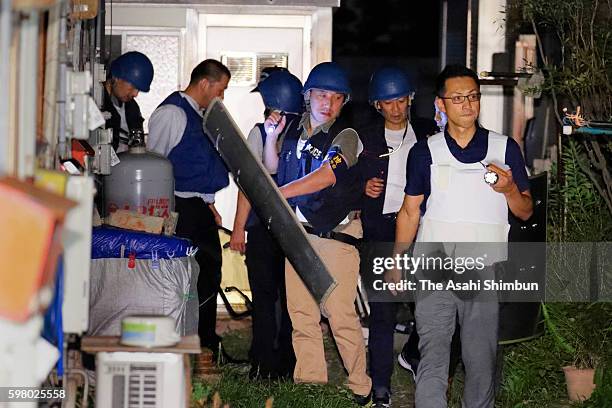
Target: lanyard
pixel 392 150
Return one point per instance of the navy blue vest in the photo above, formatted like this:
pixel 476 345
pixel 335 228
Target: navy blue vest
pixel 324 209
pixel 377 227
pixel 197 165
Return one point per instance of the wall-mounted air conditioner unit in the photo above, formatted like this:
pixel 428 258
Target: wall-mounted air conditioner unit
pixel 140 380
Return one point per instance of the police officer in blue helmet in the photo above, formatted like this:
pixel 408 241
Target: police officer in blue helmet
pixel 271 353
pixel 318 174
pixel 387 141
pixel 281 92
pixel 129 74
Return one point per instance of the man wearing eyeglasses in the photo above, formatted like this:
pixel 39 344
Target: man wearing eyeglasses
pixel 447 201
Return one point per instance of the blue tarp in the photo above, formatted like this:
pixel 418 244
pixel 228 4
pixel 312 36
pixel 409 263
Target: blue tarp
pixel 53 329
pixel 119 243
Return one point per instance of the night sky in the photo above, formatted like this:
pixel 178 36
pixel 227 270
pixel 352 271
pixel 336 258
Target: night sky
pixel 387 28
pixel 368 34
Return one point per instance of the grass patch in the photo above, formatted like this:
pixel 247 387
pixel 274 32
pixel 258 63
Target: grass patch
pixel 532 378
pixel 532 375
pixel 240 392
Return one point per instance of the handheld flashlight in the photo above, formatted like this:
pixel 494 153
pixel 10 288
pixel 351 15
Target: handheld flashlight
pixel 272 128
pixel 492 177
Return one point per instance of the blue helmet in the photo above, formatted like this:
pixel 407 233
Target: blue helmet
pixel 388 83
pixel 265 72
pixel 328 76
pixel 135 68
pixel 283 91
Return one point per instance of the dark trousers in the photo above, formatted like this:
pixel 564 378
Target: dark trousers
pixel 197 223
pixel 271 348
pixel 380 344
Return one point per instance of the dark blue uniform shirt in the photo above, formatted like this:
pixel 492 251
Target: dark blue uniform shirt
pixel 418 172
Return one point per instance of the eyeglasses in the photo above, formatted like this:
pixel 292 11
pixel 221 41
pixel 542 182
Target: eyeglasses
pixel 457 99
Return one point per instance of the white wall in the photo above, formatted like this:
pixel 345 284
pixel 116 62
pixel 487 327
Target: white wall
pixel 147 16
pixel 187 20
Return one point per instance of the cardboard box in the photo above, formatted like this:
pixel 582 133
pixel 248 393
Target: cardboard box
pixel 135 221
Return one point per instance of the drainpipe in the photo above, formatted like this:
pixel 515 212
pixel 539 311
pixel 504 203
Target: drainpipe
pixel 28 74
pixel 61 83
pixel 5 53
pixel 50 116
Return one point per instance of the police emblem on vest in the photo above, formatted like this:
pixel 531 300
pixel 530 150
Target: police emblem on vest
pixel 324 209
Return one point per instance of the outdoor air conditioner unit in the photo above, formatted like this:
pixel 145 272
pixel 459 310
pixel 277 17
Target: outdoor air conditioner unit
pixel 140 380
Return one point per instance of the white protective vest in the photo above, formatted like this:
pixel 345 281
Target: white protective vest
pixel 462 207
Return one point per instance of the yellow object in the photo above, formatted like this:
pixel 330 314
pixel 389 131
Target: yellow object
pixel 27 5
pixel 234 271
pixel 84 9
pixel 51 180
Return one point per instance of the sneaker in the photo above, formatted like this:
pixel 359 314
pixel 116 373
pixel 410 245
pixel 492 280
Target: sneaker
pixel 381 400
pixel 409 364
pixel 363 400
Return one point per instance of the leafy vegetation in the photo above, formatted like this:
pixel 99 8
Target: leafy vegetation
pixel 576 210
pixel 574 43
pixel 581 28
pixel 532 375
pixel 577 334
pixel 581 332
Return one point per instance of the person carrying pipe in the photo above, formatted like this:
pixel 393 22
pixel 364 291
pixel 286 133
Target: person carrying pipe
pixel 318 174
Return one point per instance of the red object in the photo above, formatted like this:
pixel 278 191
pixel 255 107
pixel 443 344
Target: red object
pixel 132 261
pixel 80 150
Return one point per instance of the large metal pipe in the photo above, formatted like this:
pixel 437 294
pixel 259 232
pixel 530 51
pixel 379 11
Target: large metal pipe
pixel 267 201
pixel 99 40
pixel 5 53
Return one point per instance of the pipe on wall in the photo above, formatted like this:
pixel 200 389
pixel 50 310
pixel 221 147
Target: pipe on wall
pixel 50 113
pixel 5 53
pixel 28 74
pixel 62 150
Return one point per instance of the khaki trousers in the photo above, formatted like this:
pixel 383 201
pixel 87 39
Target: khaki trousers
pixel 342 260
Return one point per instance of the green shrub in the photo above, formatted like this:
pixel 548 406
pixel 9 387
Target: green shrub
pixel 532 375
pixel 576 210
